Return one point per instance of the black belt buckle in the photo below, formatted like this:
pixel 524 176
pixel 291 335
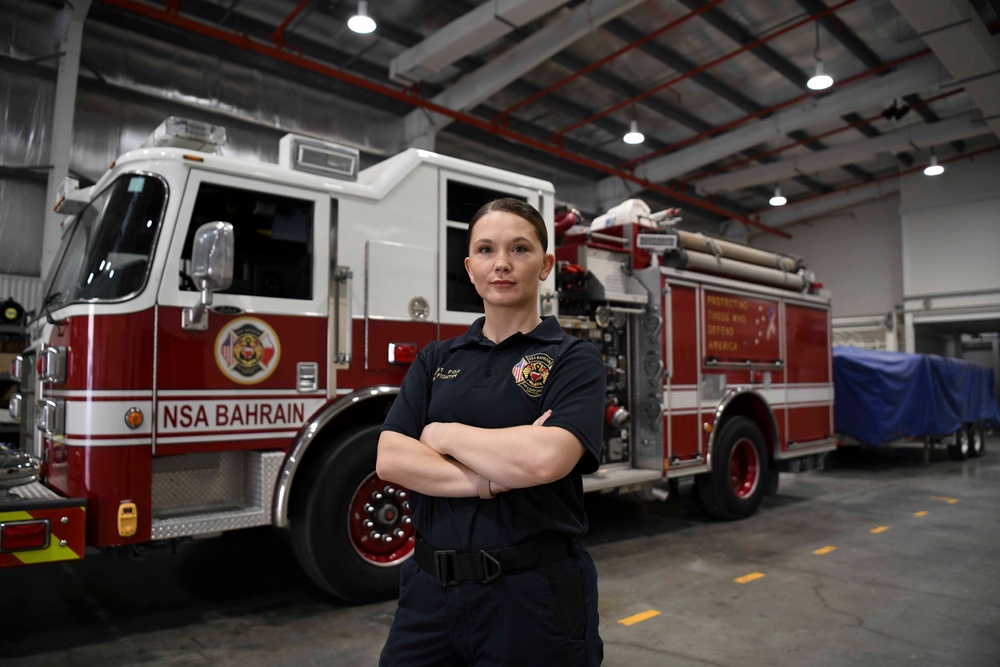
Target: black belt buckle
pixel 444 567
pixel 491 568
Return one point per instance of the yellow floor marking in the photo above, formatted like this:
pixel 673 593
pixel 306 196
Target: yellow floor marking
pixel 950 501
pixel 824 551
pixel 638 618
pixel 750 577
pixel 920 513
pixel 880 529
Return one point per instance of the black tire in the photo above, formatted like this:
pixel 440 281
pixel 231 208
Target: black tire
pixel 977 439
pixel 959 451
pixel 332 502
pixel 739 478
pixel 773 481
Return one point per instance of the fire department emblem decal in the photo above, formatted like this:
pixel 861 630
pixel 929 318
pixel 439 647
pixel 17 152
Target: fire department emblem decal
pixel 247 351
pixel 531 373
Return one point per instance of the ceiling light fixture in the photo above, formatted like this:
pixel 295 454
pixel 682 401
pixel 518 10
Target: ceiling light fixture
pixel 361 22
pixel 778 199
pixel 633 136
pixel 820 80
pixel 933 169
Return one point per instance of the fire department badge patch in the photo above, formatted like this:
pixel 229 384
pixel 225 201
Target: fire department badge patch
pixel 531 373
pixel 247 350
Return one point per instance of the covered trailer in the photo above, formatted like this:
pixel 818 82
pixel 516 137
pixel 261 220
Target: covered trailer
pixel 885 397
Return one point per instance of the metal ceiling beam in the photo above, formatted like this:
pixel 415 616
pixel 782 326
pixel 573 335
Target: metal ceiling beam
pixel 852 195
pixel 600 62
pixel 843 34
pixel 727 26
pixel 69 31
pixel 860 124
pixel 996 7
pixel 681 64
pixel 258 47
pixel 675 60
pixel 620 86
pixel 920 76
pixel 468 33
pixel 963 44
pixel 811 208
pixel 515 62
pixel 749 45
pixel 922 135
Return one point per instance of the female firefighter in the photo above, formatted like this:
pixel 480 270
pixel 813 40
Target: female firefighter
pixel 491 432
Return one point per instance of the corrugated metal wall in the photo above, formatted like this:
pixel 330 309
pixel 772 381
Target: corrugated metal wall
pixel 26 291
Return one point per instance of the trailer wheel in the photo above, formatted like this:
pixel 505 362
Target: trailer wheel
pixel 960 450
pixel 735 487
pixel 351 530
pixel 977 439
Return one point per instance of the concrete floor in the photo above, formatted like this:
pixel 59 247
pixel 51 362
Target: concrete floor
pixel 923 590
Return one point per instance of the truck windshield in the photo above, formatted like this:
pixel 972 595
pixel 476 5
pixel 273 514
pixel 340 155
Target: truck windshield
pixel 106 254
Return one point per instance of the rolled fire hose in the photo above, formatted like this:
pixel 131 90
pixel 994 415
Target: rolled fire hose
pixel 700 261
pixel 729 250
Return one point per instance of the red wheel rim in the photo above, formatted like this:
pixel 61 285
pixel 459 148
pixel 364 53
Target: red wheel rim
pixel 380 523
pixel 744 468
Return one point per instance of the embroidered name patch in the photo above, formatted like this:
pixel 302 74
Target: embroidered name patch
pixel 531 373
pixel 442 374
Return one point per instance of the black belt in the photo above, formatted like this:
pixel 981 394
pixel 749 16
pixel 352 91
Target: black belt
pixel 451 567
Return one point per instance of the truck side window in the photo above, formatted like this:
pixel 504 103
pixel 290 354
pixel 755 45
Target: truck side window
pixel 273 235
pixel 463 200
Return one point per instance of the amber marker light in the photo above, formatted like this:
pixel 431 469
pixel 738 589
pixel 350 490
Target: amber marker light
pixel 194 158
pixel 134 418
pixel 707 427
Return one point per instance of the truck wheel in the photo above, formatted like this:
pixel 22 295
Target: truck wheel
pixel 977 439
pixel 735 487
pixel 351 530
pixel 960 450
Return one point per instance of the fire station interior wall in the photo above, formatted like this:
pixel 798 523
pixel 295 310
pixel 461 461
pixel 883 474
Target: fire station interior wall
pixel 855 253
pixel 951 239
pixel 951 229
pixel 115 114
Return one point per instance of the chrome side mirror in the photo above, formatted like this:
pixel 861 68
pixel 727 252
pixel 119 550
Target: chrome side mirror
pixel 211 269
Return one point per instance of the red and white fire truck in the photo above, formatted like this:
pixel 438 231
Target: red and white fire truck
pixel 220 340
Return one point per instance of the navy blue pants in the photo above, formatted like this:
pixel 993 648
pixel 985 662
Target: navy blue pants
pixel 547 616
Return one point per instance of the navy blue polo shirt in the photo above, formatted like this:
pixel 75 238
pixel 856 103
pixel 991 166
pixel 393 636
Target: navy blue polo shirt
pixel 471 380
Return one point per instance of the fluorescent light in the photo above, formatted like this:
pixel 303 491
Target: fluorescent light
pixel 633 136
pixel 361 22
pixel 933 169
pixel 819 80
pixel 778 199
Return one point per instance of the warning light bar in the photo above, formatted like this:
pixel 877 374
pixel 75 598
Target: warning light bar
pixel 193 135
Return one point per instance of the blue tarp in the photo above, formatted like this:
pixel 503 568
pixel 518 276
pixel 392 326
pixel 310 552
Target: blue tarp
pixel 884 396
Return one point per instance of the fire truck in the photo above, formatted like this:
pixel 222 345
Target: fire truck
pixel 221 339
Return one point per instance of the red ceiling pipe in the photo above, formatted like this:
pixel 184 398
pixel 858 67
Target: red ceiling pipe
pixel 701 68
pixel 771 109
pixel 781 149
pixel 993 28
pixel 502 116
pixel 249 44
pixel 278 36
pixel 886 177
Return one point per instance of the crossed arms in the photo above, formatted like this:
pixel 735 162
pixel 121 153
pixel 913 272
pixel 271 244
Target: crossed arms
pixel 448 458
